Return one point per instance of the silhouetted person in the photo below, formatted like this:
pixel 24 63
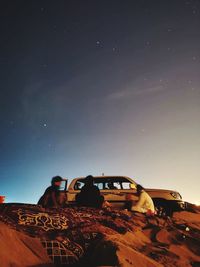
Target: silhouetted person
pixel 90 195
pixel 50 198
pixel 144 203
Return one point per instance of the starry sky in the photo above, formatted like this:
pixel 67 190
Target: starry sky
pixel 92 87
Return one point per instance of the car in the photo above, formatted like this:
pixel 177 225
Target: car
pixel 118 190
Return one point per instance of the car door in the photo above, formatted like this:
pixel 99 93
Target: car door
pixel 120 194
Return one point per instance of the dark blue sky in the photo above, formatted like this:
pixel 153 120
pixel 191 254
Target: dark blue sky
pixel 99 86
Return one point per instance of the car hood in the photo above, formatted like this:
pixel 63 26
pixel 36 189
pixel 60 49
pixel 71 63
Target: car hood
pixel 166 191
pixel 161 190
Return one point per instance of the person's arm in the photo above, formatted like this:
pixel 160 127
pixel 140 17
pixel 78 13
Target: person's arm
pixel 97 191
pixel 45 200
pixel 54 199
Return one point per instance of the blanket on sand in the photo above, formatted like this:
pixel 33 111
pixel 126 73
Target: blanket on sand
pixel 67 233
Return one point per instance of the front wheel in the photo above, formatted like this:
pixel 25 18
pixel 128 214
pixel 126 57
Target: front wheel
pixel 163 208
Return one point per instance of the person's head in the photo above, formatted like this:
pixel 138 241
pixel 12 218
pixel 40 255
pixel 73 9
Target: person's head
pixel 89 180
pixel 56 181
pixel 139 188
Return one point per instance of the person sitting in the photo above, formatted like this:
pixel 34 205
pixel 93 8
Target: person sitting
pixel 90 194
pixel 50 198
pixel 145 203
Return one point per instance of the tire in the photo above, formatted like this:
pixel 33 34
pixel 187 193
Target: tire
pixel 163 208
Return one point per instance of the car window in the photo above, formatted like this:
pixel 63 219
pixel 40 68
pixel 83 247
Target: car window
pixel 117 185
pixel 99 185
pixel 112 185
pixel 128 185
pixel 78 185
pixel 107 184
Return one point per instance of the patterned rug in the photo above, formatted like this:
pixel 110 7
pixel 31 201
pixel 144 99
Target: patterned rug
pixel 67 233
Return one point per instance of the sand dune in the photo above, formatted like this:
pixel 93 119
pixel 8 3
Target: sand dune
pixel 88 237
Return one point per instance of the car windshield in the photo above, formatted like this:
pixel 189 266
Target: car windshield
pixel 114 183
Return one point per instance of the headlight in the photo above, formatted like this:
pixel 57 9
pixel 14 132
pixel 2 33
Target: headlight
pixel 176 195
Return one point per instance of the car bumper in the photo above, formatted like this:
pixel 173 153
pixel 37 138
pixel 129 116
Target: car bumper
pixel 177 205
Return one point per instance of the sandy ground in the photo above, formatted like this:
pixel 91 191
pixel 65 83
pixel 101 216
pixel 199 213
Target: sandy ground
pixel 149 242
pixel 20 250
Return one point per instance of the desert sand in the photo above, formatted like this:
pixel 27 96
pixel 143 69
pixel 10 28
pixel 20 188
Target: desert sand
pixel 89 237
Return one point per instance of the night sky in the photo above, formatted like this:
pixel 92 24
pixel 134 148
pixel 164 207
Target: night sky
pixel 92 87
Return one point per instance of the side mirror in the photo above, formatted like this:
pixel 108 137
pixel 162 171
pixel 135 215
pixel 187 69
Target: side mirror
pixel 66 182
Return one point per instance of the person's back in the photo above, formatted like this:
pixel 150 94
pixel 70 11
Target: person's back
pixel 90 195
pixel 145 203
pixel 51 194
